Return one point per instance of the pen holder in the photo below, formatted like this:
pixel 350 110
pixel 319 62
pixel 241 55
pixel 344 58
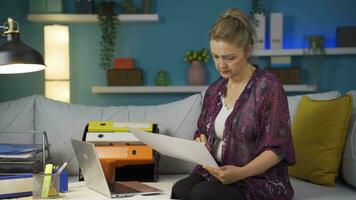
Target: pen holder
pixel 46 186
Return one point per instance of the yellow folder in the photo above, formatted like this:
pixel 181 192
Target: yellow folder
pixel 110 126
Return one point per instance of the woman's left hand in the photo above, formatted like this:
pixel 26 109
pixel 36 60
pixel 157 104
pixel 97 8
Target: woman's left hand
pixel 226 174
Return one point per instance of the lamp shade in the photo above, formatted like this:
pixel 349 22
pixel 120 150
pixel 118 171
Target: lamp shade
pixel 56 52
pixel 58 90
pixel 17 57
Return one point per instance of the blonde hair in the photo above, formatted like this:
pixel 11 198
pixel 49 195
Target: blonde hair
pixel 233 27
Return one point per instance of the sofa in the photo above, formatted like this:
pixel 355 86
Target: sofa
pixel 63 121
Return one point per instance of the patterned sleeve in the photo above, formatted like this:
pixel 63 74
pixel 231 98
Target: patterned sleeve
pixel 201 122
pixel 202 129
pixel 274 129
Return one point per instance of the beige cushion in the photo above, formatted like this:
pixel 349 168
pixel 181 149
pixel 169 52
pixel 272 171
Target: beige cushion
pixel 64 121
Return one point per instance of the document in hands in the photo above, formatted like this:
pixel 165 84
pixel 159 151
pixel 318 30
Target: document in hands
pixel 177 147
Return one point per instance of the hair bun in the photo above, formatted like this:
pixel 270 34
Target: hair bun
pixel 234 26
pixel 234 14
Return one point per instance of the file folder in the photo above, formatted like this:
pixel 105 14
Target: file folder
pixel 133 160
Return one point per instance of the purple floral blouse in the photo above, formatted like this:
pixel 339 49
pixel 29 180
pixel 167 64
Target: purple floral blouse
pixel 259 122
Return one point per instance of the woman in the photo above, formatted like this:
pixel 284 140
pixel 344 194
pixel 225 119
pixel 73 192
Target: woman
pixel 244 123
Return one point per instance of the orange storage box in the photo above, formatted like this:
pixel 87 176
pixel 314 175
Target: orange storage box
pixel 126 161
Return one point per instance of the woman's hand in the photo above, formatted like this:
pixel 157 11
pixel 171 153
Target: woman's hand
pixel 226 174
pixel 202 138
pixel 229 173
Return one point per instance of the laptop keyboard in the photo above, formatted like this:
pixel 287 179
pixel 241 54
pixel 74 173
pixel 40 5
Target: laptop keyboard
pixel 118 188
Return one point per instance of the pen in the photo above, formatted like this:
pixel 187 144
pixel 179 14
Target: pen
pixel 60 169
pixel 64 165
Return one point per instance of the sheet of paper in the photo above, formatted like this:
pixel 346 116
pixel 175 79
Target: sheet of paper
pixel 177 147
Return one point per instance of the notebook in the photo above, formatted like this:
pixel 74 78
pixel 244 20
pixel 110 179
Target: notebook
pixel 95 179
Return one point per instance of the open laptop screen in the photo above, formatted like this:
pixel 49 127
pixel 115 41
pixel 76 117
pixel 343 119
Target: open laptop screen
pixel 94 176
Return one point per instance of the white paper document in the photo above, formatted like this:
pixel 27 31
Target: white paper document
pixel 177 147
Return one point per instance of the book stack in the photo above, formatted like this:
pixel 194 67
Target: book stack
pixel 124 73
pixel 108 132
pixel 15 185
pixel 13 151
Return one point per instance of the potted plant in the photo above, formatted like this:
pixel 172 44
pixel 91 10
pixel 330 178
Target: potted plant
pixel 196 72
pixel 257 7
pixel 129 7
pixel 314 62
pixel 258 19
pixel 108 23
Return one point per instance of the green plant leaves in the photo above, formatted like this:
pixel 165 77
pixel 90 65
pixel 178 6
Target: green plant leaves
pixel 200 55
pixel 108 23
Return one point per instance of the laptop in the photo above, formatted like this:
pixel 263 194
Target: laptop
pixel 95 179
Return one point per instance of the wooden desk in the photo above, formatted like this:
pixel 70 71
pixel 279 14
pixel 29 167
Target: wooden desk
pixel 79 191
pixel 84 193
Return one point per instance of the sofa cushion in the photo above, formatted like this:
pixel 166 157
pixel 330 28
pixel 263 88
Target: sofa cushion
pixel 349 157
pixel 17 115
pixel 178 119
pixel 319 131
pixel 63 121
pixel 293 101
pixel 308 191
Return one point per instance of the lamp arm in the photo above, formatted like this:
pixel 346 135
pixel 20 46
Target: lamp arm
pixel 5 28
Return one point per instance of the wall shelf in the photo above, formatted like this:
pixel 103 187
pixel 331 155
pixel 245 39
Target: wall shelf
pixel 180 89
pixel 300 52
pixel 88 18
pixel 147 89
pixel 300 88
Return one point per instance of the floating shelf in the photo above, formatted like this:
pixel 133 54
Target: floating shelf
pixel 180 89
pixel 88 18
pixel 147 89
pixel 300 88
pixel 301 52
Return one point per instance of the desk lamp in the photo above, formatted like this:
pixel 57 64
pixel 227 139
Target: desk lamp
pixel 15 56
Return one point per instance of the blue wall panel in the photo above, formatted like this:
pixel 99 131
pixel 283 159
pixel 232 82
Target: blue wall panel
pixel 183 25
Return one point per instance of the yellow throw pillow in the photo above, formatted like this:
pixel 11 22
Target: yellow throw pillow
pixel 319 131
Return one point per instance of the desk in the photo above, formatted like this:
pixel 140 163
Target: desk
pixel 78 190
pixel 84 193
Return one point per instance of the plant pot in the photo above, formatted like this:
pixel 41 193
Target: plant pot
pixel 196 73
pixel 147 6
pixel 316 44
pixel 107 8
pixel 162 78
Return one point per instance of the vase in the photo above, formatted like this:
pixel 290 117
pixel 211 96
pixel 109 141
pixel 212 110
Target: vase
pixel 316 44
pixel 196 73
pixel 162 78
